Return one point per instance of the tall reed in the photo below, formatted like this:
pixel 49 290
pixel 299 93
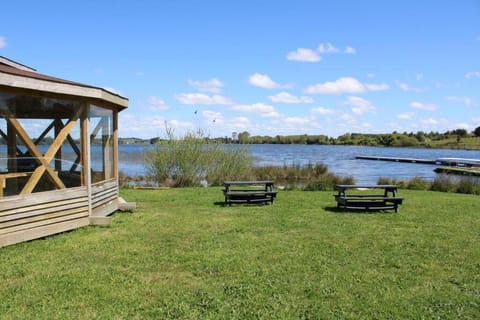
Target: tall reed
pixel 194 159
pixel 442 183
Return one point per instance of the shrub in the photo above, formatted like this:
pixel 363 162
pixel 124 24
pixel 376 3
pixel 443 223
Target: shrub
pixel 468 185
pixel 327 182
pixel 187 161
pixel 392 181
pixel 443 183
pixel 417 183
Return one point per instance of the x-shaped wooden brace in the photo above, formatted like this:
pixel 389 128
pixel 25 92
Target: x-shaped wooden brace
pixel 44 160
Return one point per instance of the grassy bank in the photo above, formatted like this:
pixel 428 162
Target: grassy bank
pixel 183 255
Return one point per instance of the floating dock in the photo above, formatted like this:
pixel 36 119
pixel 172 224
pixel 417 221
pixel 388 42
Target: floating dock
pixel 459 166
pixel 396 159
pixel 458 171
pixel 459 162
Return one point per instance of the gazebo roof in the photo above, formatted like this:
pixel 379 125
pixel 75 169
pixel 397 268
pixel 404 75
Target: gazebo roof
pixel 19 76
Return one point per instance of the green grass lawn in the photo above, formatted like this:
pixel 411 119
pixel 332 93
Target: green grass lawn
pixel 182 256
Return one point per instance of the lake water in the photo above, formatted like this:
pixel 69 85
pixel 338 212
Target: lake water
pixel 339 159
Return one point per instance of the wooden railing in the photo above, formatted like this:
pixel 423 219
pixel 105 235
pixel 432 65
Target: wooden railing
pixel 5 176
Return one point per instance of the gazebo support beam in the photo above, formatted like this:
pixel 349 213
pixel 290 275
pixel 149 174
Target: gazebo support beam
pixel 44 160
pixel 44 164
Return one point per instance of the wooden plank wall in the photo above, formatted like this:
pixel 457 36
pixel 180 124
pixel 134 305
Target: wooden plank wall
pixel 32 216
pixel 104 197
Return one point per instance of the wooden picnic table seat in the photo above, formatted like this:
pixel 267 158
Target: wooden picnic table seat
pixel 249 192
pixel 357 200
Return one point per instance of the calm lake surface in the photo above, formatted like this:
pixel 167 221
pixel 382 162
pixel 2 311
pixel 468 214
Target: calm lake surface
pixel 339 159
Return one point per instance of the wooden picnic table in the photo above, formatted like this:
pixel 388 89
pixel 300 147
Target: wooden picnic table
pixel 247 191
pixel 358 197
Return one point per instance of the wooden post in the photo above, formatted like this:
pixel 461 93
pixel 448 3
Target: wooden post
pixel 12 155
pixel 84 146
pixel 85 154
pixel 115 145
pixel 58 154
pixel 106 147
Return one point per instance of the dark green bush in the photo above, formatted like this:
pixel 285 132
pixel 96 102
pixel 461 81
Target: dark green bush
pixel 443 183
pixel 327 182
pixel 468 185
pixel 417 183
pixel 398 183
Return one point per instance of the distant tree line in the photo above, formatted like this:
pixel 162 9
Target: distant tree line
pixel 453 138
pixel 394 139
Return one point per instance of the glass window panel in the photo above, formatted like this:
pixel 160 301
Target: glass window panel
pixel 101 143
pixel 41 119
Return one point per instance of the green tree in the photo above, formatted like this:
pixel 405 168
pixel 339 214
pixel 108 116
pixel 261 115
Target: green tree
pixel 461 133
pixel 243 137
pixel 476 132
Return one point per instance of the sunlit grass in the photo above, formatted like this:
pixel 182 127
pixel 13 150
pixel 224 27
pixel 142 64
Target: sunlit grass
pixel 183 255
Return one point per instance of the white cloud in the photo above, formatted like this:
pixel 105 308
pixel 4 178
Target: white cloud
pixel 309 55
pixel 201 98
pixel 303 55
pixel 377 87
pixel 157 104
pixel 473 75
pixel 213 85
pixel 406 116
pixel 133 125
pixel 296 120
pixel 176 124
pixel 223 125
pixel 460 99
pixel 406 87
pixel 262 109
pixel 213 116
pixel 3 42
pixel 285 97
pixel 342 85
pixel 430 122
pixel 264 81
pixel 359 105
pixel 322 111
pixel 347 117
pixel 241 122
pixel 462 125
pixel 350 50
pixel 424 106
pixel 327 48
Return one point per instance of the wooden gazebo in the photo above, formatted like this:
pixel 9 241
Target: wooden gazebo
pixel 58 154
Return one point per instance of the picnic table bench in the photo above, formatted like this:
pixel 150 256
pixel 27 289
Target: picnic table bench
pixel 361 199
pixel 249 192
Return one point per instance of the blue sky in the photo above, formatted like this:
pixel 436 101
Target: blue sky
pixel 266 67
